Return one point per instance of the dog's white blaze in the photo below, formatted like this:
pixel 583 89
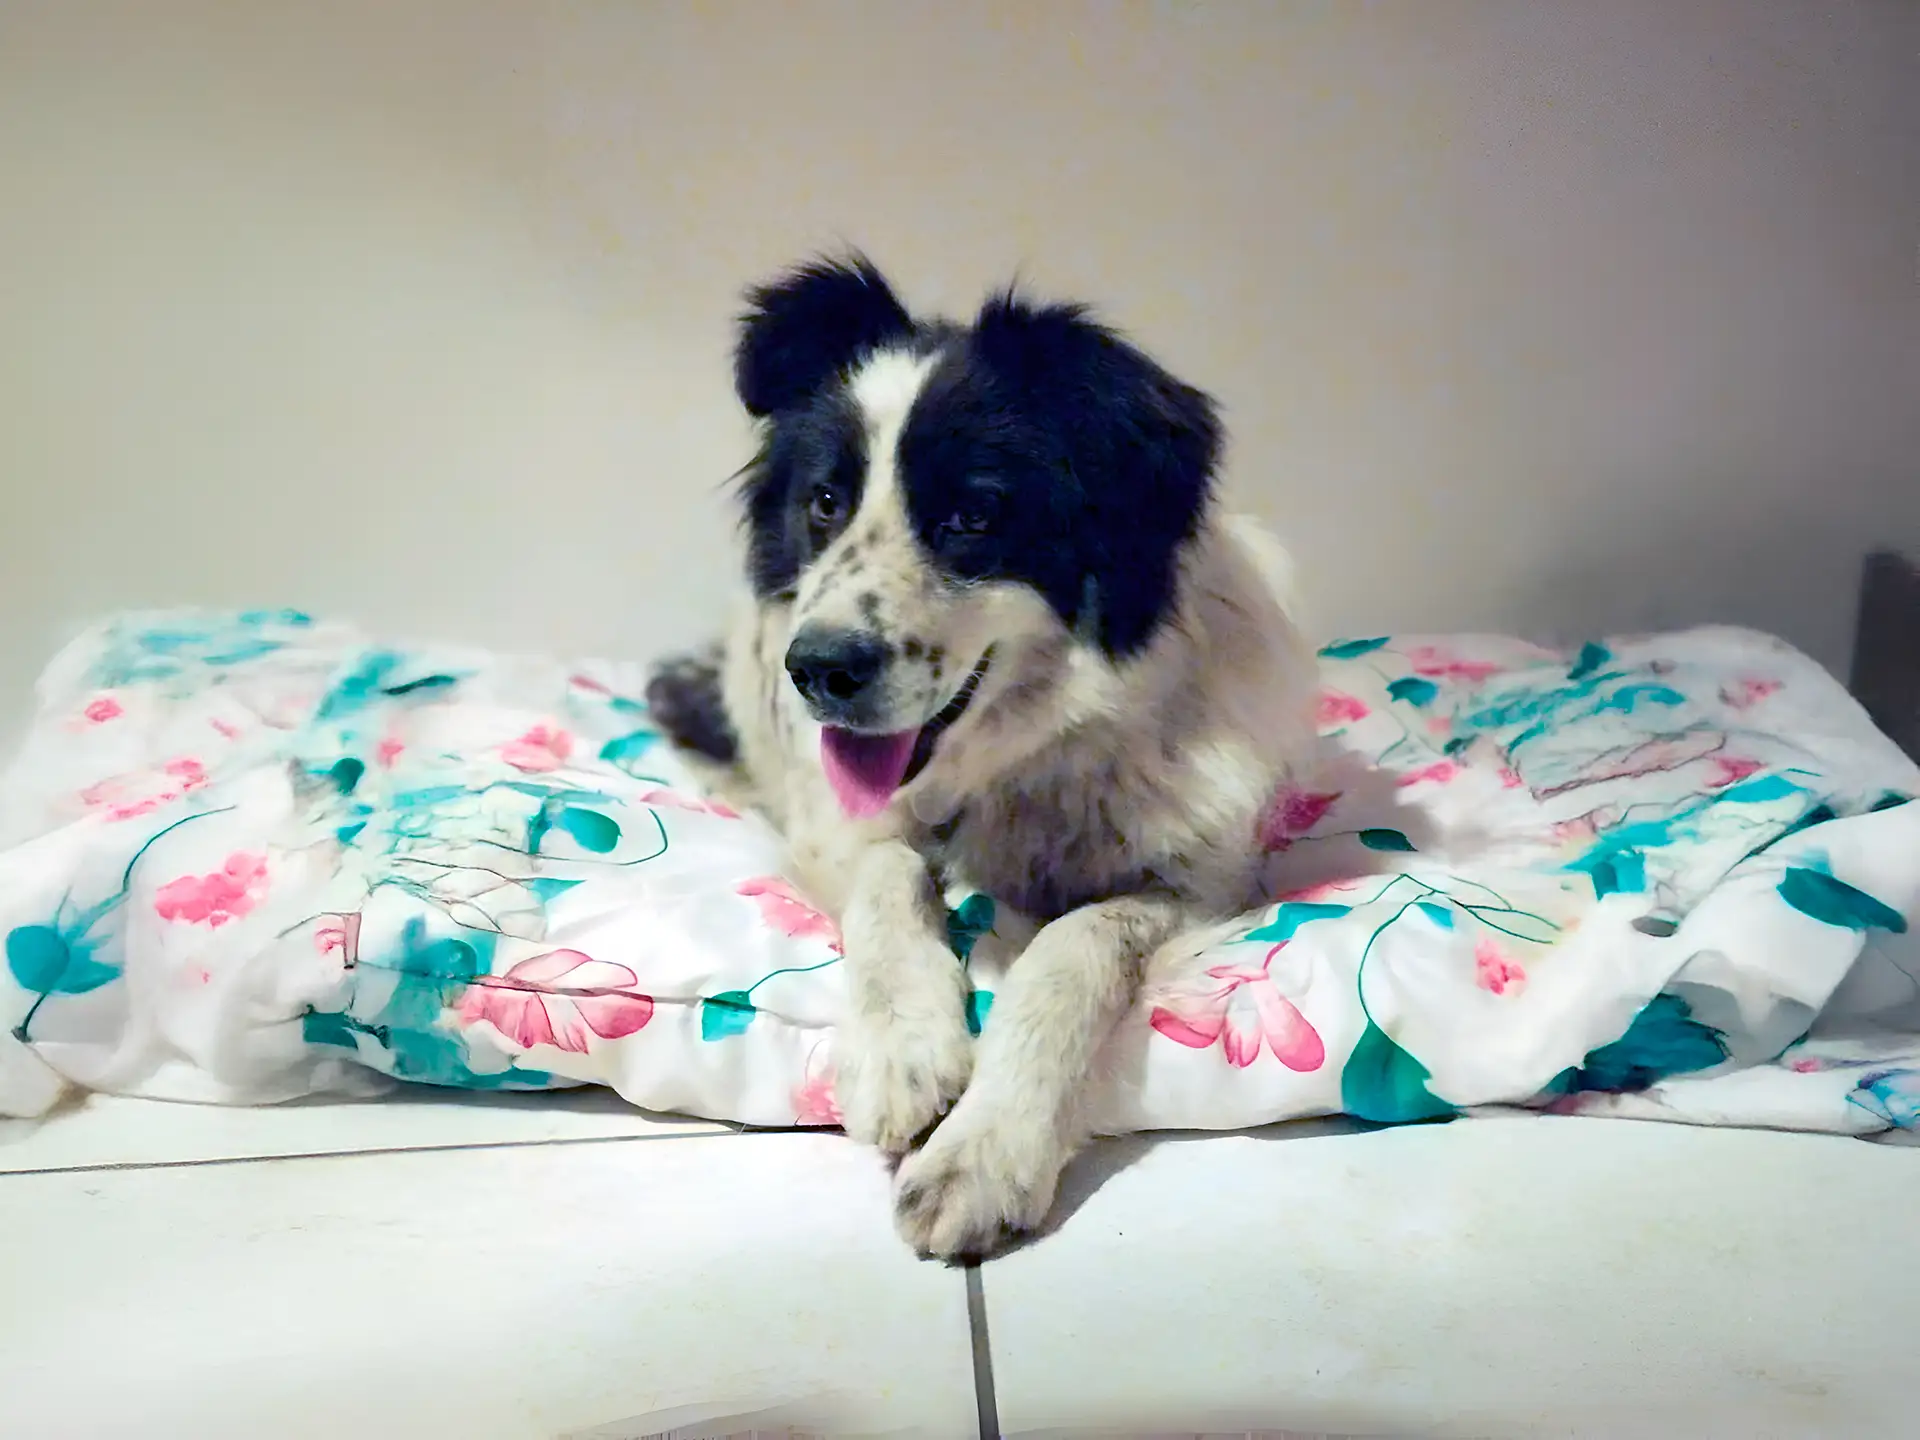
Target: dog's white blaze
pixel 886 385
pixel 884 389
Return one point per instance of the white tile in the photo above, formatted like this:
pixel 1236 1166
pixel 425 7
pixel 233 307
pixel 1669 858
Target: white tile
pixel 1511 1277
pixel 517 1293
pixel 114 1130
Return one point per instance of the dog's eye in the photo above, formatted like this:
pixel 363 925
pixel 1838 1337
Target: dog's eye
pixel 823 506
pixel 973 519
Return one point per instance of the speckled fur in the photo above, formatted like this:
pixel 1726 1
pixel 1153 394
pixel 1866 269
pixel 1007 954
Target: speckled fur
pixel 1112 802
pixel 1115 805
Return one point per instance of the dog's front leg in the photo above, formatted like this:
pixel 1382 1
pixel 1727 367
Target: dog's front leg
pixel 904 1051
pixel 989 1172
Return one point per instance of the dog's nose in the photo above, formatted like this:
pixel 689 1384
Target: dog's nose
pixel 834 669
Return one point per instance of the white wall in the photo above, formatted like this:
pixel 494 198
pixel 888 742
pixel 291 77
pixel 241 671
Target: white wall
pixel 1544 315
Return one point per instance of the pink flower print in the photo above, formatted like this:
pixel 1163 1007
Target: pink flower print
pixel 1805 1065
pixel 225 729
pixel 104 709
pixel 813 1097
pixel 1730 771
pixel 1582 830
pixel 1292 813
pixel 339 932
pixel 1337 707
pixel 106 793
pixel 588 684
pixel 1436 664
pixel 782 909
pixel 213 900
pixel 544 747
pixel 1494 971
pixel 1510 778
pixel 189 772
pixel 1438 773
pixel 1245 1013
pixel 559 999
pixel 1745 693
pixel 692 804
pixel 122 796
pixel 388 751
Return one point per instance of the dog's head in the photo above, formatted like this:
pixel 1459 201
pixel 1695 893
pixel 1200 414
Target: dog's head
pixel 932 500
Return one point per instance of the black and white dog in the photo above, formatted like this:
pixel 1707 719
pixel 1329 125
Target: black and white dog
pixel 999 635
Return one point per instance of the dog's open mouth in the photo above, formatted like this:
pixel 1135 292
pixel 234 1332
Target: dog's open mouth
pixel 866 770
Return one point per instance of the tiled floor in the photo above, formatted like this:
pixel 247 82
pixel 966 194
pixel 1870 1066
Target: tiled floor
pixel 1512 1277
pixel 458 1268
pixel 434 1265
pixel 108 1131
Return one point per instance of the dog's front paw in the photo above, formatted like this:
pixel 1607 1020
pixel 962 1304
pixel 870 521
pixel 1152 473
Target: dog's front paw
pixel 894 1084
pixel 983 1180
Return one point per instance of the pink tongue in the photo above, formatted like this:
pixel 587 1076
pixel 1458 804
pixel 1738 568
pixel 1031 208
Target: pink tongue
pixel 865 770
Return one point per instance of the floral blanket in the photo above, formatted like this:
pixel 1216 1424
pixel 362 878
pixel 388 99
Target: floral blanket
pixel 249 857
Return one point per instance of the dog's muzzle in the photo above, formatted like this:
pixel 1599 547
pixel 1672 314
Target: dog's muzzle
pixel 837 673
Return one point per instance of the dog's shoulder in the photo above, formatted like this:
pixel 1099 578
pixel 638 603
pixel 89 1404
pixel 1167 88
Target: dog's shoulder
pixel 1159 770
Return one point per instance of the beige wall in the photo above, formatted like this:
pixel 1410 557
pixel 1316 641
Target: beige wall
pixel 1547 315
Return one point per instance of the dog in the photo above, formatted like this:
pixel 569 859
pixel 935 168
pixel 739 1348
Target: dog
pixel 996 633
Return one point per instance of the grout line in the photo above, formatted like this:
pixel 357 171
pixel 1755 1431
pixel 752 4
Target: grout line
pixel 471 1145
pixel 986 1402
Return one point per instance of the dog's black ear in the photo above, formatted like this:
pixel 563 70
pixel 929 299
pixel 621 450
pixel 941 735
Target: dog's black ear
pixel 1139 448
pixel 809 324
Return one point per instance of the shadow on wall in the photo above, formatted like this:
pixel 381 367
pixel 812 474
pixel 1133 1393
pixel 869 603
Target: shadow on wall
pixel 1786 564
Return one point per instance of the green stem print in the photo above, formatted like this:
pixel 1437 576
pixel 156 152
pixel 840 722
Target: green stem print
pixel 1381 1081
pixel 1411 691
pixel 732 1011
pixel 62 958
